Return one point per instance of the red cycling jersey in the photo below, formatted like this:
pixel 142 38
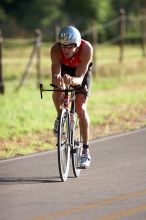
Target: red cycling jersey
pixel 75 59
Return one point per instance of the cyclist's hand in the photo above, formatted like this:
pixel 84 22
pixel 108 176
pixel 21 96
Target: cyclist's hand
pixel 67 80
pixel 58 80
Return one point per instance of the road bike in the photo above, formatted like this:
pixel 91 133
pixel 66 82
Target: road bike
pixel 69 140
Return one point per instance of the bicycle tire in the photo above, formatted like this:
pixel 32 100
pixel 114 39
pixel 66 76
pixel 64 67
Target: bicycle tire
pixel 76 147
pixel 63 145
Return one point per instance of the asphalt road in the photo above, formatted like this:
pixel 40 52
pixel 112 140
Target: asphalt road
pixel 114 187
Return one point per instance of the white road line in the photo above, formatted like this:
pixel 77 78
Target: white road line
pixel 27 156
pixel 114 136
pixel 118 135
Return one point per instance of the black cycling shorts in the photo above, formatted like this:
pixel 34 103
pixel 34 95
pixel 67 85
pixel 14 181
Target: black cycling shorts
pixel 86 84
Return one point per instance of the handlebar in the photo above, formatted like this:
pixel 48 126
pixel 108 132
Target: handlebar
pixel 58 89
pixel 45 90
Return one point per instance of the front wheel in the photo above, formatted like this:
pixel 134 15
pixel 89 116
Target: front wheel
pixel 63 145
pixel 76 147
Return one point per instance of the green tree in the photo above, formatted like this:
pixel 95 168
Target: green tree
pixel 130 6
pixel 29 14
pixel 32 13
pixel 82 13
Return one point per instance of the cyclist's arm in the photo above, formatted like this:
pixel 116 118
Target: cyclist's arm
pixel 56 65
pixel 86 57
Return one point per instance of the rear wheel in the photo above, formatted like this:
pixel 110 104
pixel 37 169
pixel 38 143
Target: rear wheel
pixel 63 145
pixel 76 147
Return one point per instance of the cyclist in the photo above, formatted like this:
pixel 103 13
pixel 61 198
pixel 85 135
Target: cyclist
pixel 71 59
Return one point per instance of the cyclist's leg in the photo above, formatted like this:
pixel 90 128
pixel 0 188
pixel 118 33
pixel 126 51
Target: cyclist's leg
pixel 57 101
pixel 81 102
pixel 81 109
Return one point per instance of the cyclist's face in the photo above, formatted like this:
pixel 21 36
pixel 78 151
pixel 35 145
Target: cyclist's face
pixel 68 50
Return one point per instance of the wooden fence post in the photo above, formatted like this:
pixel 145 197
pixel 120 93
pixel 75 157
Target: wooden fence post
pixel 122 33
pixel 35 51
pixel 143 21
pixel 38 55
pixel 56 32
pixel 2 90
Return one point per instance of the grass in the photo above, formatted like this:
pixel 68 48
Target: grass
pixel 117 103
pixel 24 112
pixel 120 101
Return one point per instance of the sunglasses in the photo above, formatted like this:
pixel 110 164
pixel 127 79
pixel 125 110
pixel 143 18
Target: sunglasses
pixel 69 46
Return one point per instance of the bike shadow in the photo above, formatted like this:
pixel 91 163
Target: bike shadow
pixel 29 180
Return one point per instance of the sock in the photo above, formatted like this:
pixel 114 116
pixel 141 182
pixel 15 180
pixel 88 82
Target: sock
pixel 85 146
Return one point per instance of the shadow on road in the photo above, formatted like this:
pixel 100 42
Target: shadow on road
pixel 28 180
